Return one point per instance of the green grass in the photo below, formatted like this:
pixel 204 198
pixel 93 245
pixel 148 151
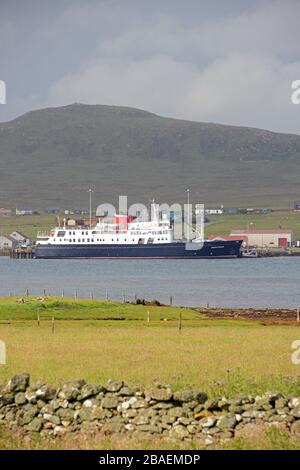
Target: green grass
pixel 221 357
pixel 272 439
pixel 220 224
pixel 69 309
pixel 29 224
pixel 223 224
pixel 102 339
pixel 144 155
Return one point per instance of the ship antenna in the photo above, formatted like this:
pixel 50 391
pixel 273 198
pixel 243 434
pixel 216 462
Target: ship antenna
pixel 90 191
pixel 188 217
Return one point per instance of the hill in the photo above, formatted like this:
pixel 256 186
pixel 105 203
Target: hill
pixel 52 156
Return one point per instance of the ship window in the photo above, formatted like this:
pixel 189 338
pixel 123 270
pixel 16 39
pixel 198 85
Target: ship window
pixel 82 233
pixel 88 240
pixel 86 233
pixel 70 233
pixel 74 240
pixel 70 240
pixel 92 240
pixel 73 233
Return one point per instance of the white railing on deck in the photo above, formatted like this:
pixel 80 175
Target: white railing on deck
pixel 43 234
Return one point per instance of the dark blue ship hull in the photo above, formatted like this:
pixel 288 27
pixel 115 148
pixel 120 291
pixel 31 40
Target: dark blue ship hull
pixel 175 250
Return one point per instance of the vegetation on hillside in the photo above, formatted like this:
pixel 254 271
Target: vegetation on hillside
pixel 218 224
pixel 52 156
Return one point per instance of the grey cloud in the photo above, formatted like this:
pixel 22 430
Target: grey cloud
pixel 230 62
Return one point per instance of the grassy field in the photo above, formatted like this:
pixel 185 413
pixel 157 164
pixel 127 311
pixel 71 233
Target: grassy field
pixel 273 439
pixel 213 355
pixel 98 340
pixel 29 224
pixel 219 225
pixel 223 224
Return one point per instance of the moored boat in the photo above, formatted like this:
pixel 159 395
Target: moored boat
pixel 129 237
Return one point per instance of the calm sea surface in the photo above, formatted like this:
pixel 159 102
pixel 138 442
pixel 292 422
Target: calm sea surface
pixel 264 282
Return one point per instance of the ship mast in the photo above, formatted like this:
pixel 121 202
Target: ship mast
pixel 188 216
pixel 90 191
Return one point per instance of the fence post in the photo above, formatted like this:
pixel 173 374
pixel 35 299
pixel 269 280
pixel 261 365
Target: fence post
pixel 52 324
pixel 171 300
pixel 75 294
pixel 298 317
pixel 180 322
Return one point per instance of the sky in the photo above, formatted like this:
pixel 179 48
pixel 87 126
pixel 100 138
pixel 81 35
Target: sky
pixel 231 62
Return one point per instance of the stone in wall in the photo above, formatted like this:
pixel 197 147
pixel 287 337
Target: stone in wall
pixel 116 407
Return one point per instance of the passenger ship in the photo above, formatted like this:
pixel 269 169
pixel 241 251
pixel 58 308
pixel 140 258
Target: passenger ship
pixel 129 237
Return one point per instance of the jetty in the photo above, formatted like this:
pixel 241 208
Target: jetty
pixel 22 253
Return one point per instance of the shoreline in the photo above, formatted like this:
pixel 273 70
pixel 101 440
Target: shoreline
pixel 267 315
pixel 264 315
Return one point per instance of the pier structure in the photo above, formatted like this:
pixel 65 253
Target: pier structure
pixel 22 253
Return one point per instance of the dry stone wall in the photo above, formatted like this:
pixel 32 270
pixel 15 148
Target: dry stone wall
pixel 118 408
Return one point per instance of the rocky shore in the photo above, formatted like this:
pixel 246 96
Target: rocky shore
pixel 267 315
pixel 118 408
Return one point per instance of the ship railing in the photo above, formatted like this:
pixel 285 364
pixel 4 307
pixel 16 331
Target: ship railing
pixel 111 231
pixel 43 234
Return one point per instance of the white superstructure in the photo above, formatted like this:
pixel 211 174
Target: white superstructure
pixel 123 231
